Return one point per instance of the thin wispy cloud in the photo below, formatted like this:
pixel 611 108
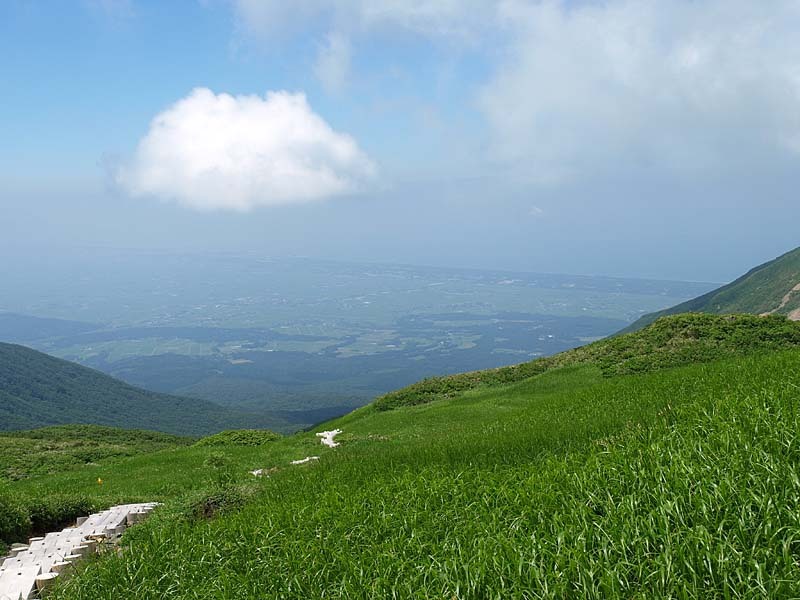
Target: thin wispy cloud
pixel 111 9
pixel 575 89
pixel 429 17
pixel 627 85
pixel 332 67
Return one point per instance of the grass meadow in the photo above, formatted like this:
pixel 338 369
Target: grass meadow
pixel 681 483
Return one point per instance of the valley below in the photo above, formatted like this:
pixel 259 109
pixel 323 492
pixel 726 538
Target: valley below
pixel 584 473
pixel 254 334
pixel 660 462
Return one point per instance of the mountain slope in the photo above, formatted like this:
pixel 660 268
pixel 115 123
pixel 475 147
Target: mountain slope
pixel 669 342
pixel 675 483
pixel 54 449
pixel 18 328
pixel 771 288
pixel 37 390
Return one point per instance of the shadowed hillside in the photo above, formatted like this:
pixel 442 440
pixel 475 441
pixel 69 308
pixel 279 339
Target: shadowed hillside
pixel 37 390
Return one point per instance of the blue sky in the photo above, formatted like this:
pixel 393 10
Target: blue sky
pixel 620 137
pixel 90 76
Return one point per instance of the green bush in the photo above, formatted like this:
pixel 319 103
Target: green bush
pixel 207 504
pixel 240 437
pixel 54 512
pixel 220 469
pixel 23 515
pixel 15 522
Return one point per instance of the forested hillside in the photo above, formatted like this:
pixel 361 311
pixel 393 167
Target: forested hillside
pixel 38 390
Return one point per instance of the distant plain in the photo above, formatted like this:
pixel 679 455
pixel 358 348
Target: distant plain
pixel 310 338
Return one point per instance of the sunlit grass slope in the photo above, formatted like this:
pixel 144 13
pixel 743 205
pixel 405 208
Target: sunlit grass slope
pixel 670 342
pixel 53 449
pixel 678 483
pixel 617 470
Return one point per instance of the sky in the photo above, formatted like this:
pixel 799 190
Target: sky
pixel 635 138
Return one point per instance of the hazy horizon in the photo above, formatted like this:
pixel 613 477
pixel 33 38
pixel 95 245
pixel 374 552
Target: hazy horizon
pixel 310 338
pixel 620 138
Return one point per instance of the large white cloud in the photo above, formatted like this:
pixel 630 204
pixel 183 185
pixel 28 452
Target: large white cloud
pixel 679 86
pixel 216 151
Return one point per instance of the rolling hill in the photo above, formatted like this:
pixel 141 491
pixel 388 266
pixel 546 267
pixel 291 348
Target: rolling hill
pixel 660 464
pixel 54 449
pixel 669 342
pixel 37 390
pixel 771 288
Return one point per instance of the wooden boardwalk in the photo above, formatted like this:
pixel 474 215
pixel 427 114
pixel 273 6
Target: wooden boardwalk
pixel 31 568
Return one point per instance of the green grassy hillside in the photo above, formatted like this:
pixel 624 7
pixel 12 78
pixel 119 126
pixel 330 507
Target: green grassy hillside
pixel 620 476
pixel 773 288
pixel 38 390
pixel 54 449
pixel 670 342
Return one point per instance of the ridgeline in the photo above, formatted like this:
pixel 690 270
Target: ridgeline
pixel 771 288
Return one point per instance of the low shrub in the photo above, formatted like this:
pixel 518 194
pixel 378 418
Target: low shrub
pixel 21 515
pixel 210 503
pixel 54 512
pixel 220 469
pixel 240 437
pixel 15 522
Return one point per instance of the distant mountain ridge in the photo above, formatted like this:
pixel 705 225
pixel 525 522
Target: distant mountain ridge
pixel 17 328
pixel 771 288
pixel 38 390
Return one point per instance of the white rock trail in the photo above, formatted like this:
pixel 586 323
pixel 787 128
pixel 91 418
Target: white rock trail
pixel 327 437
pixel 33 567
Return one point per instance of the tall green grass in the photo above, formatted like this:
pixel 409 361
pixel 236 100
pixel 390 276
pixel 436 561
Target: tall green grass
pixel 680 483
pixel 54 449
pixel 127 466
